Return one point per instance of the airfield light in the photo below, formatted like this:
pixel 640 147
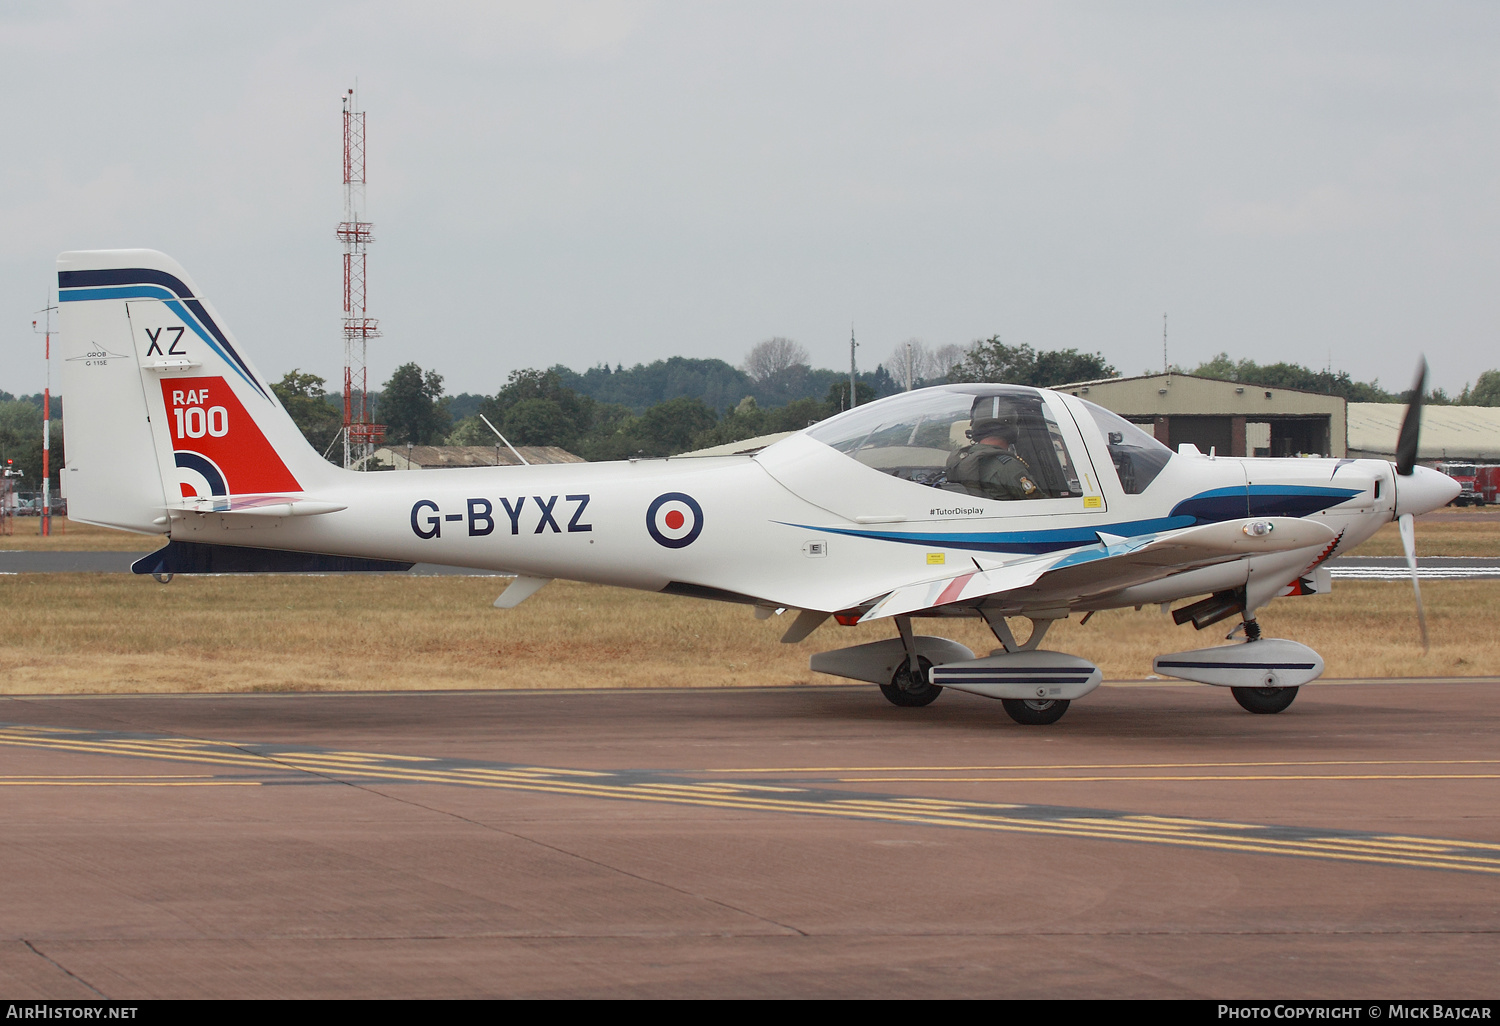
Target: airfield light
pixel 853 345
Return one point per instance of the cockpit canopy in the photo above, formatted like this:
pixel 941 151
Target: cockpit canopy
pixel 1137 456
pixel 987 440
pixel 925 437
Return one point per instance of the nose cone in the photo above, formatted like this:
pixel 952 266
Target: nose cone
pixel 1423 491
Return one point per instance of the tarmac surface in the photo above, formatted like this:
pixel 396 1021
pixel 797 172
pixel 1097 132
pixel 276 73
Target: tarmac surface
pixel 817 842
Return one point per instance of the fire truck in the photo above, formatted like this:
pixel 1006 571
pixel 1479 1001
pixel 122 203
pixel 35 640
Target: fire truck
pixel 1463 473
pixel 1487 483
pixel 1480 482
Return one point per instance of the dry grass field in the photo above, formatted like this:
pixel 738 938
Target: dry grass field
pixel 89 633
pixel 1450 531
pixel 95 633
pixel 67 536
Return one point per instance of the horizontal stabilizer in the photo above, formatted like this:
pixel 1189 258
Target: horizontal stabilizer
pixel 257 505
pixel 195 558
pixel 1114 562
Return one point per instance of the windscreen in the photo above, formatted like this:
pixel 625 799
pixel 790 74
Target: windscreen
pixel 1137 456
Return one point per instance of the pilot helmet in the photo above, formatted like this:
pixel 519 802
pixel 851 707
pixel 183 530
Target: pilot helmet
pixel 992 415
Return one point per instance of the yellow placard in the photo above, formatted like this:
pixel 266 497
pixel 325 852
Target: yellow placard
pixel 937 558
pixel 1093 502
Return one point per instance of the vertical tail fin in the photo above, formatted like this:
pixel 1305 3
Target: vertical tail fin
pixel 161 404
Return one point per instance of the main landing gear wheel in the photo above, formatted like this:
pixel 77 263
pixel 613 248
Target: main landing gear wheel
pixel 1033 713
pixel 1264 700
pixel 911 689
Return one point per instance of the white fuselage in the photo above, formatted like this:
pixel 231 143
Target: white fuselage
pixel 761 539
pixel 171 430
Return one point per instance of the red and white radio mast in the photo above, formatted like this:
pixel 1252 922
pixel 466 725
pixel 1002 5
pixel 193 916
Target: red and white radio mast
pixel 360 435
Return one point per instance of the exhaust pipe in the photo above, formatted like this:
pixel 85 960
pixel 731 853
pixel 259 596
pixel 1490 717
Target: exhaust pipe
pixel 1219 606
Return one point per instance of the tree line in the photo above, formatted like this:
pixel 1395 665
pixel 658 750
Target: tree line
pixel 535 407
pixel 21 438
pixel 1484 392
pixel 681 404
pixel 669 406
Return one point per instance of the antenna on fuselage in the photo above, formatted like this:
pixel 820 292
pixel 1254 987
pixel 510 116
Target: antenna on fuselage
pixel 852 346
pixel 502 438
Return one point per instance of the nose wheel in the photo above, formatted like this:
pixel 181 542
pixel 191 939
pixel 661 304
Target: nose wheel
pixel 1033 713
pixel 1264 700
pixel 911 690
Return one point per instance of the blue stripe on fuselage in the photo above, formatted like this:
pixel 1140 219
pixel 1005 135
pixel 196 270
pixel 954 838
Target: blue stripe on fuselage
pixel 1013 541
pixel 1210 507
pixel 1263 500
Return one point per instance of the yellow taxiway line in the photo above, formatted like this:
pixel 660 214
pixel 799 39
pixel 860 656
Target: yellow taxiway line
pixel 1103 766
pixel 371 768
pixel 1184 776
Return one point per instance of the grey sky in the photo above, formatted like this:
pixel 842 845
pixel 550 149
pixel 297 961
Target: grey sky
pixel 585 182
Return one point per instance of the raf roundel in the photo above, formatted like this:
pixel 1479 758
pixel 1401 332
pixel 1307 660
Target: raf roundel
pixel 674 520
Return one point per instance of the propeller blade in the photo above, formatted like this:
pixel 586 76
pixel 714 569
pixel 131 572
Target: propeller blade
pixel 1408 527
pixel 1411 424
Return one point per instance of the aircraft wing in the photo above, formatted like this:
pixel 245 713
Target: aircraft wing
pixel 1113 562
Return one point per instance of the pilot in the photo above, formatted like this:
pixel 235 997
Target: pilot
pixel 989 465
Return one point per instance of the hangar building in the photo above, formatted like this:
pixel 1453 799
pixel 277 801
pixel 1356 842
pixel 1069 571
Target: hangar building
pixel 1468 434
pixel 431 457
pixel 1232 418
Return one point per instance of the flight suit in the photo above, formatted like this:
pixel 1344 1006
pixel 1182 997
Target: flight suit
pixel 992 472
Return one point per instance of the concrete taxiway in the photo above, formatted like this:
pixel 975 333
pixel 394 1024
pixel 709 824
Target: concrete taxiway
pixel 1158 841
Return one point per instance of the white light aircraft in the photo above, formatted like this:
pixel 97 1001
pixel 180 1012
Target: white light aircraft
pixel 887 511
